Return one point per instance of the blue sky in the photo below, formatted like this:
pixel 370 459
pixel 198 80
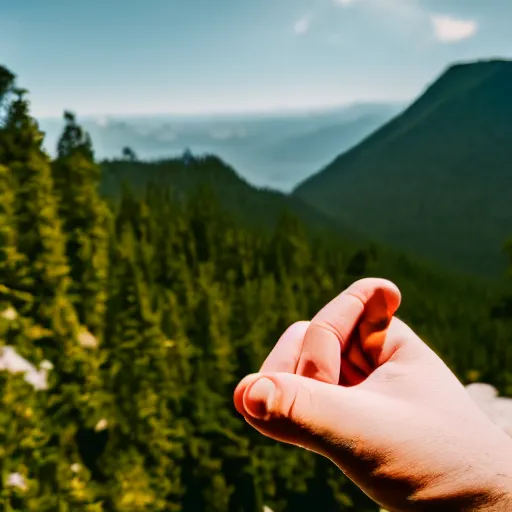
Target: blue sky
pixel 101 57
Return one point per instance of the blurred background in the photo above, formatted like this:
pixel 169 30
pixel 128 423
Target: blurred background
pixel 181 181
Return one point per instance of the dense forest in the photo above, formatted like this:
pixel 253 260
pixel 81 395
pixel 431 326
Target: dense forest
pixel 128 314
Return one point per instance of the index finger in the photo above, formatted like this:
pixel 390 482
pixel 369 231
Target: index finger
pixel 330 330
pixel 285 355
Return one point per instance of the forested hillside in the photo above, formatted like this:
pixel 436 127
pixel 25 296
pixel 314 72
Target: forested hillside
pixel 125 326
pixel 250 206
pixel 437 179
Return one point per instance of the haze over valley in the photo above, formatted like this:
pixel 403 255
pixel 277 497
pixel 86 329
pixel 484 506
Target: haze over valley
pixel 276 150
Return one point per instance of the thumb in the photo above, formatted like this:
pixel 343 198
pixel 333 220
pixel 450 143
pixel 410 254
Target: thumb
pixel 303 411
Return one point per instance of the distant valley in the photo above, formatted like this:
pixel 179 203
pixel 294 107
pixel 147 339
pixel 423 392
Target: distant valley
pixel 276 151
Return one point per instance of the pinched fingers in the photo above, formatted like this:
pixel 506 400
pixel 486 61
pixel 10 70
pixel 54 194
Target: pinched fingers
pixel 368 302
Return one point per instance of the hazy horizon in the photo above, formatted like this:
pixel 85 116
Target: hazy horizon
pixel 277 113
pixel 276 149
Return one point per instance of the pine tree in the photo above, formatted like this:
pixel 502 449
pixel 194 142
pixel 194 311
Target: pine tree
pixel 86 222
pixel 13 265
pixel 7 79
pixel 129 154
pixel 43 277
pixel 143 377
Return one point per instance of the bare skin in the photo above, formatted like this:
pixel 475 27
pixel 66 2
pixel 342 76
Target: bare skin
pixel 359 387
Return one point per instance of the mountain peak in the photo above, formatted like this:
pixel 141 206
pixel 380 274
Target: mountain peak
pixel 479 66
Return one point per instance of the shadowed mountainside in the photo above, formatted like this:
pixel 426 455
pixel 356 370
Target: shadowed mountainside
pixel 437 179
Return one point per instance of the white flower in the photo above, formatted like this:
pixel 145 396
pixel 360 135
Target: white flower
pixel 16 480
pixel 76 467
pixel 39 380
pixel 267 509
pixel 101 425
pixel 46 365
pixel 12 362
pixel 87 340
pixel 9 314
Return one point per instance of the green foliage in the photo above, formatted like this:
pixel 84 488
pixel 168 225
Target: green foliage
pixel 152 310
pixel 7 79
pixel 74 140
pixel 12 263
pixel 86 220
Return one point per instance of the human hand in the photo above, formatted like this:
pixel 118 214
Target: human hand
pixel 359 387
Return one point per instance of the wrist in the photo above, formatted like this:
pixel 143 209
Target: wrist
pixel 499 498
pixel 474 493
pixel 503 505
pixel 480 481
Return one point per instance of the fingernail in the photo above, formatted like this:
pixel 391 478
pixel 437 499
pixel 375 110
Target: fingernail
pixel 259 397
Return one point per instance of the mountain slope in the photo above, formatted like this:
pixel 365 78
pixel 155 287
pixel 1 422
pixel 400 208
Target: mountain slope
pixel 437 179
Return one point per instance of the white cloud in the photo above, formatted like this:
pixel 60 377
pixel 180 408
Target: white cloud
pixel 302 25
pixel 449 30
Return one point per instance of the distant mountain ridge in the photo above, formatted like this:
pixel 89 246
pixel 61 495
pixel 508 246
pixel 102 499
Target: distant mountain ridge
pixel 324 142
pixel 437 179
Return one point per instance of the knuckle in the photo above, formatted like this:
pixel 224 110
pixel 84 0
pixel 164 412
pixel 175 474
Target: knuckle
pixel 327 326
pixel 301 324
pixel 301 404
